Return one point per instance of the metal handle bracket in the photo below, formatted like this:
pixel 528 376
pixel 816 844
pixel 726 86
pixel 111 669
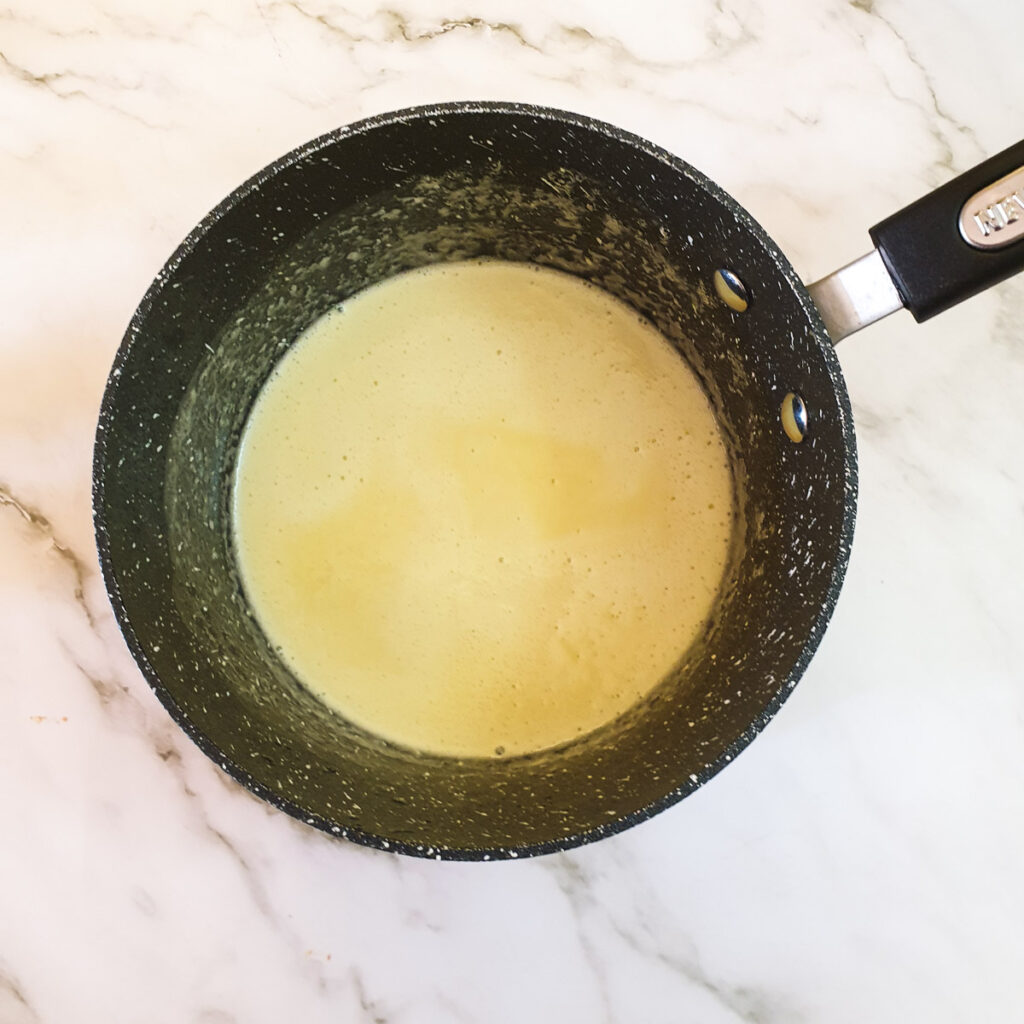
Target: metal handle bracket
pixel 855 295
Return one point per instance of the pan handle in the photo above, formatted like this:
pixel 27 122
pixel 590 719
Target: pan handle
pixel 936 252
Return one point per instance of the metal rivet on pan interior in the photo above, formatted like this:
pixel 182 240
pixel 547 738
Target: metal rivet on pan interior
pixel 794 417
pixel 731 290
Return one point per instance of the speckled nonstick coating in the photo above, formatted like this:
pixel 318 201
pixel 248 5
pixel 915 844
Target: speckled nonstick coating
pixel 384 195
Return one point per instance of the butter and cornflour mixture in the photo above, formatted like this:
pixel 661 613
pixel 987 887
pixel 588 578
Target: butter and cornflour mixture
pixel 482 508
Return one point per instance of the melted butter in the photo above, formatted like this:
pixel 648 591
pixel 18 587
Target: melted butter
pixel 482 508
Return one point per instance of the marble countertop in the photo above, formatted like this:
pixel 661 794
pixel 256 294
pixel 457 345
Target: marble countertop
pixel 860 862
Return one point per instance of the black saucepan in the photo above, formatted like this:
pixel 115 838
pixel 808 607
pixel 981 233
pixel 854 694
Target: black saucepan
pixel 519 183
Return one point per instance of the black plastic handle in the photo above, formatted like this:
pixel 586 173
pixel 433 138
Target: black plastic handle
pixel 924 247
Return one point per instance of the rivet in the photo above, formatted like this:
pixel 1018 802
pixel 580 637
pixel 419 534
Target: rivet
pixel 731 290
pixel 794 417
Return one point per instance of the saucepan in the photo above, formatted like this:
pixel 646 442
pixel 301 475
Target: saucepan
pixel 520 183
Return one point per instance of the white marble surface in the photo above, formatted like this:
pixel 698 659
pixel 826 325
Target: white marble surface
pixel 860 862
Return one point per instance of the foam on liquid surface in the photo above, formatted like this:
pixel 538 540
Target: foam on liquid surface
pixel 482 508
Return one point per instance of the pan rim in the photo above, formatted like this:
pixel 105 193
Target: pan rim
pixel 194 239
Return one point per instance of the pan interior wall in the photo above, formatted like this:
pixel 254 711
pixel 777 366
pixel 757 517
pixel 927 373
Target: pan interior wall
pixel 315 233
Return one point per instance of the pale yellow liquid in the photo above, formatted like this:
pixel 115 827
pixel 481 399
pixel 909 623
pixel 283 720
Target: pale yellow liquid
pixel 482 509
